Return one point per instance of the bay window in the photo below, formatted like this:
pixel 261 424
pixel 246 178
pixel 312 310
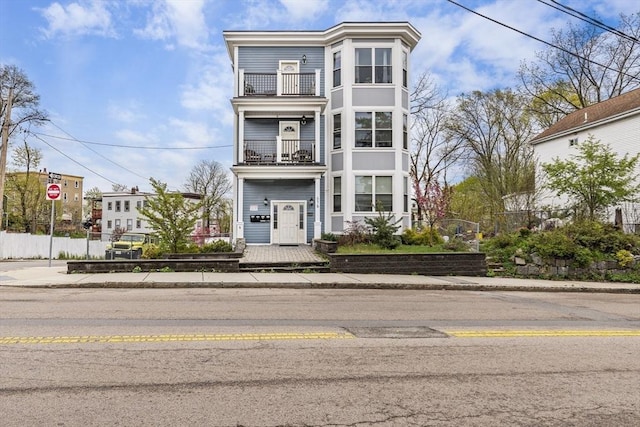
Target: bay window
pixel 373 193
pixel 374 129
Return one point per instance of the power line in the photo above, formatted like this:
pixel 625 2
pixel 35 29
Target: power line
pixel 99 154
pixel 544 41
pixel 75 161
pixel 129 146
pixel 586 18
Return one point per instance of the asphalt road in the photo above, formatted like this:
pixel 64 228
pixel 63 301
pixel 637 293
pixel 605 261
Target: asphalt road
pixel 266 357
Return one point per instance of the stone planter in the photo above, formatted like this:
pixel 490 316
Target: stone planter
pixel 325 246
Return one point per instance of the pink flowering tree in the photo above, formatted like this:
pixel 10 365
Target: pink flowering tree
pixel 432 202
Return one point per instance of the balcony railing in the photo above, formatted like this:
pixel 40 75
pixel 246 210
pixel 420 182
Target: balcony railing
pixel 279 152
pixel 279 84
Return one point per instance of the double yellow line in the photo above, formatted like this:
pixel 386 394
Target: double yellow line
pixel 543 333
pixel 88 339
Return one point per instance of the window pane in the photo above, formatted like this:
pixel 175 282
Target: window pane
pixel 383 65
pixel 337 130
pixel 383 74
pixel 337 194
pixel 383 56
pixel 383 184
pixel 363 184
pixel 383 120
pixel 364 203
pixel 363 56
pixel 385 201
pixel 405 134
pixel 363 74
pixel 383 138
pixel 337 65
pixel 363 130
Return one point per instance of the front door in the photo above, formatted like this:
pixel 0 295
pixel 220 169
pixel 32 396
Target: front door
pixel 290 77
pixel 290 140
pixel 288 219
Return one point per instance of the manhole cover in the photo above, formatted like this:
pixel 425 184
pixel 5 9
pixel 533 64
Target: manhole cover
pixel 399 332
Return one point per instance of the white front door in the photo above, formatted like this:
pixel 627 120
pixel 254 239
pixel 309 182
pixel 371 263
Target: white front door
pixel 289 139
pixel 288 223
pixel 290 77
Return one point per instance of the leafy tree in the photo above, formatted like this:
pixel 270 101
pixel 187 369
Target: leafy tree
pixel 594 178
pixel 171 215
pixel 25 187
pixel 210 179
pixel 590 66
pixel 495 130
pixel 18 106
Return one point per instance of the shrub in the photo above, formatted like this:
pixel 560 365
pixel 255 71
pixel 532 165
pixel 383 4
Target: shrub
pixel 354 234
pixel 425 236
pixel 384 227
pixel 329 237
pixel 457 245
pixel 152 251
pixel 624 258
pixel 217 246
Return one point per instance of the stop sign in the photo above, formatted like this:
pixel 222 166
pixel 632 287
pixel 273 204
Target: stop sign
pixel 53 192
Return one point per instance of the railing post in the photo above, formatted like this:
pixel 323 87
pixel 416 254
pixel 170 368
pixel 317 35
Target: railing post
pixel 316 83
pixel 241 83
pixel 279 83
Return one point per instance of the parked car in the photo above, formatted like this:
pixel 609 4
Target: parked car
pixel 129 246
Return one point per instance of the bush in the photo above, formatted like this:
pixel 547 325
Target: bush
pixel 384 229
pixel 330 237
pixel 152 251
pixel 354 234
pixel 423 237
pixel 217 246
pixel 457 245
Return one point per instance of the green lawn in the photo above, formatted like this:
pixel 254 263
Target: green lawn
pixel 402 249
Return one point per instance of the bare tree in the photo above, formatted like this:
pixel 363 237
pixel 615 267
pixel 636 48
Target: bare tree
pixel 589 66
pixel 18 106
pixel 209 179
pixel 432 150
pixel 116 188
pixel 495 129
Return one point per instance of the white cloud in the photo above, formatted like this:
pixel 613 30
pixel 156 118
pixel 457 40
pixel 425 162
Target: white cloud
pixel 76 19
pixel 182 21
pixel 125 111
pixel 305 10
pixel 132 137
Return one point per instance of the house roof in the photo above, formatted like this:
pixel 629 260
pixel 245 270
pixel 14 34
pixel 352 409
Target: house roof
pixel 594 115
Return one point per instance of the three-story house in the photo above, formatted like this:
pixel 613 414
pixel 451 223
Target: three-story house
pixel 321 129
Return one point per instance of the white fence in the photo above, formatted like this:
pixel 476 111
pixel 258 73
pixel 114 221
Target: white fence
pixel 25 246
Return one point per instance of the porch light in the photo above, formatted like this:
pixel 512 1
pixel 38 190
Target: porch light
pixel 311 201
pixel 265 201
pixel 304 59
pixel 303 121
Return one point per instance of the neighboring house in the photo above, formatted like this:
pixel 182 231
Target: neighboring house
pixel 321 129
pixel 615 122
pixel 69 210
pixel 120 211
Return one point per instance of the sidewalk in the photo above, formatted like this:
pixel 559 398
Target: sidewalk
pixel 56 277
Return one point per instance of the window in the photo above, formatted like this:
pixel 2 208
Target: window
pixel 363 66
pixel 301 215
pixel 337 68
pixel 337 130
pixel 66 184
pixel 405 132
pixel 118 205
pixel 573 142
pixel 109 206
pixel 138 204
pixel 64 196
pixel 76 197
pixel 117 223
pixel 77 184
pixel 129 224
pixel 406 194
pixel 364 72
pixel 381 129
pixel 363 130
pixel 372 191
pixel 404 69
pixel 126 206
pixel 109 224
pixel 337 194
pixel 138 223
pixel 383 66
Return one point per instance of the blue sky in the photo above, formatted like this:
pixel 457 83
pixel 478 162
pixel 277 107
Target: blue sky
pixel 117 74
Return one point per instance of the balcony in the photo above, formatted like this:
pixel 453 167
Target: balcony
pixel 279 84
pixel 281 152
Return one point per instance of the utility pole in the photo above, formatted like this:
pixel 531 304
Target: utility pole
pixel 4 146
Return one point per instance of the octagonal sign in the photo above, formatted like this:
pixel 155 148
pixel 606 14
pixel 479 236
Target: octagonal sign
pixel 53 192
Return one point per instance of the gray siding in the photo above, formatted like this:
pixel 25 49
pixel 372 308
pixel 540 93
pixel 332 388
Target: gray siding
pixel 261 59
pixel 375 97
pixel 405 99
pixel 337 99
pixel 262 129
pixel 374 161
pixel 337 161
pixel 337 223
pixel 405 162
pixel 254 193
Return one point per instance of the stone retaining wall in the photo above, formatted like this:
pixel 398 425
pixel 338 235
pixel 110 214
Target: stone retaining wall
pixel 433 264
pixel 148 265
pixel 562 269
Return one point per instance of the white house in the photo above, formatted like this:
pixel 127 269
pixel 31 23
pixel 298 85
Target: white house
pixel 321 128
pixel 615 122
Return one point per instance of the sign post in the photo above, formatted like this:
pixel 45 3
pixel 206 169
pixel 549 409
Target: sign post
pixel 53 194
